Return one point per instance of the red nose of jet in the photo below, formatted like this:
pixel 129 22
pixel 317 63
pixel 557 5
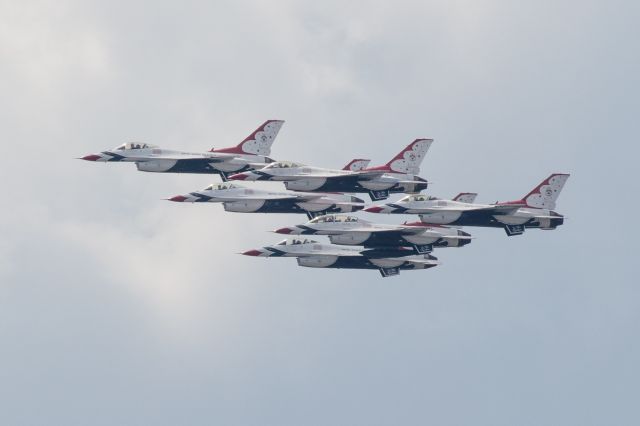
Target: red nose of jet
pixel 91 157
pixel 373 209
pixel 238 176
pixel 252 253
pixel 284 231
pixel 178 198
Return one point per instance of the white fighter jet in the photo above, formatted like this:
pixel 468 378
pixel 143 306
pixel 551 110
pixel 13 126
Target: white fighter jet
pixel 534 210
pixel 352 230
pixel 236 198
pixel 251 153
pixel 309 253
pixel 397 176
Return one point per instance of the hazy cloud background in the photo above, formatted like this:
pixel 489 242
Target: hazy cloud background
pixel 119 308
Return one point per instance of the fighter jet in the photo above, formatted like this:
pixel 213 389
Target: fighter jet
pixel 352 230
pixel 236 198
pixel 397 176
pixel 534 210
pixel 251 153
pixel 309 253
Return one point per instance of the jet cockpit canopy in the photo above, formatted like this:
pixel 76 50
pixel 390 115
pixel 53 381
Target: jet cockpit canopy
pixel 282 165
pixel 418 197
pixel 334 218
pixel 296 241
pixel 134 145
pixel 220 186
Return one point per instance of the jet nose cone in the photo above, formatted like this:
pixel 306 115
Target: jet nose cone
pixel 284 231
pixel 239 176
pixel 92 157
pixel 463 234
pixel 374 209
pixel 178 198
pixel 252 253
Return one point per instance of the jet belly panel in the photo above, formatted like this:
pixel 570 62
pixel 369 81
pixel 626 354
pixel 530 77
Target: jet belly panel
pixel 510 219
pixel 421 239
pixel 244 206
pixel 439 218
pixel 231 166
pixel 317 261
pixel 378 184
pixel 387 262
pixel 305 184
pixel 316 207
pixel 156 165
pixel 352 238
pixel 339 184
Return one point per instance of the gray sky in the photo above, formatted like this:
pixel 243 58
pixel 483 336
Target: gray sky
pixel 119 308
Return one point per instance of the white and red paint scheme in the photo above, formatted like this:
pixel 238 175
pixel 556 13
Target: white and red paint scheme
pixel 389 261
pixel 352 230
pixel 397 176
pixel 253 152
pixel 534 210
pixel 236 198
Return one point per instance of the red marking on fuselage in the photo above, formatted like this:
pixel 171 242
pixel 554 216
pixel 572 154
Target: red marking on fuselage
pixel 238 176
pixel 423 224
pixel 374 209
pixel 178 198
pixel 91 157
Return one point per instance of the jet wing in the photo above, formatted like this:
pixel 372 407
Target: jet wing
pixel 330 253
pixel 388 231
pixel 361 175
pixel 320 197
pixel 196 158
pixel 495 209
pixel 369 174
pixel 325 198
pixel 342 175
pixel 299 176
pixel 260 196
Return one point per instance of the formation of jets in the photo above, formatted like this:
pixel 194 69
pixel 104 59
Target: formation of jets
pixel 324 195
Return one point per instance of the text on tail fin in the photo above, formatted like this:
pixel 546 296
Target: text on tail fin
pixel 356 165
pixel 544 196
pixel 466 197
pixel 259 142
pixel 409 159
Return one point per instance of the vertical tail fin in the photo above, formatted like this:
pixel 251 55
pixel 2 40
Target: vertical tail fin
pixel 544 195
pixel 356 165
pixel 409 159
pixel 257 143
pixel 465 197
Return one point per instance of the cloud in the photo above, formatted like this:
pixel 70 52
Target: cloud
pixel 139 310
